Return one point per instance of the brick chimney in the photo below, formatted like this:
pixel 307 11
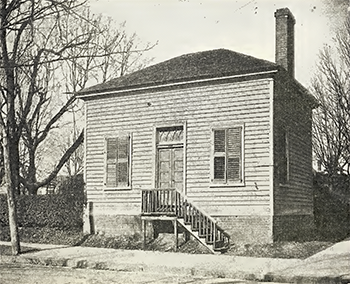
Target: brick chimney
pixel 285 39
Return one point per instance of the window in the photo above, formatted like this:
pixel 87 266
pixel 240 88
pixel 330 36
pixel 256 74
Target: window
pixel 284 158
pixel 118 162
pixel 227 157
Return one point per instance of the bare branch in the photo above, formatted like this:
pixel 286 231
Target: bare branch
pixel 62 161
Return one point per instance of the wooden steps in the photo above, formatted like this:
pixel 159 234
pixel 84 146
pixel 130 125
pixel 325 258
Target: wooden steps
pixel 169 202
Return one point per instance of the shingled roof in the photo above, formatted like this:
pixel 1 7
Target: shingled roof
pixel 200 65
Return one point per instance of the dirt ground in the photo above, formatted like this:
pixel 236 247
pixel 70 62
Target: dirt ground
pixel 164 242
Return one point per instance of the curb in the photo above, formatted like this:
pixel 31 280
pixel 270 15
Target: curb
pixel 345 279
pixel 245 268
pixel 80 263
pixel 83 263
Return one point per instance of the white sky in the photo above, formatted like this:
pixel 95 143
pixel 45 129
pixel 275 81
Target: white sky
pixel 185 26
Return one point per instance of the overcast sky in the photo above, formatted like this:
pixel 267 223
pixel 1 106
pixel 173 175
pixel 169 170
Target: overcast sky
pixel 185 26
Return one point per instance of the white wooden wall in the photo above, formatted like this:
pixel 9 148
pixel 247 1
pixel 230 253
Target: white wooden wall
pixel 201 108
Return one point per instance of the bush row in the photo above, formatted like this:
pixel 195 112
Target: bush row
pixel 54 211
pixel 332 208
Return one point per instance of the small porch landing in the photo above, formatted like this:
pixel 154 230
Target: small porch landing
pixel 171 205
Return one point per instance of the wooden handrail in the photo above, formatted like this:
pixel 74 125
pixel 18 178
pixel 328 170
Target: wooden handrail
pixel 169 201
pixel 184 197
pixel 200 210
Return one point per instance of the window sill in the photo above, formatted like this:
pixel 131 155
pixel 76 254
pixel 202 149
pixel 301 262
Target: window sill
pixel 117 188
pixel 241 184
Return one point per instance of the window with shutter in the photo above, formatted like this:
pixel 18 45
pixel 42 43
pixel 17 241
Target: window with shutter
pixel 118 162
pixel 283 168
pixel 227 155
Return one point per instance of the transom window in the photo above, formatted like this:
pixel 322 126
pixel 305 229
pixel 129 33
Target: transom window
pixel 227 157
pixel 170 135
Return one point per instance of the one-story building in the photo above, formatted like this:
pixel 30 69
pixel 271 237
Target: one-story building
pixel 217 141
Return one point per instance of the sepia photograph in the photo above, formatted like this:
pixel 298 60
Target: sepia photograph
pixel 174 141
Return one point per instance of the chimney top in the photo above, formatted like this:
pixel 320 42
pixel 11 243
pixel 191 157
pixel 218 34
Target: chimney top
pixel 285 12
pixel 285 22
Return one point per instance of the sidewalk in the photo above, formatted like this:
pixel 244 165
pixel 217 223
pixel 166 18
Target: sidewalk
pixel 329 266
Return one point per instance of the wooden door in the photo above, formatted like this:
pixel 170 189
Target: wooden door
pixel 170 168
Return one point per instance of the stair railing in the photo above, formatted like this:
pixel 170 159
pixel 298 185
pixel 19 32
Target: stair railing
pixel 171 202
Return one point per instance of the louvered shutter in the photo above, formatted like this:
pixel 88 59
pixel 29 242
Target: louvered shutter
pixel 219 141
pixel 118 161
pixel 123 161
pixel 219 154
pixel 111 160
pixel 227 155
pixel 234 154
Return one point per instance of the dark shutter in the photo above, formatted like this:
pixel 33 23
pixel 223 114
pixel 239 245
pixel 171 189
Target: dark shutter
pixel 219 141
pixel 117 161
pixel 234 154
pixel 219 155
pixel 111 159
pixel 123 161
pixel 219 168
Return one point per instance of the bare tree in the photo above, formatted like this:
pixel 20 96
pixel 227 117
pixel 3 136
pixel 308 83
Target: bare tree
pixel 42 48
pixel 37 38
pixel 331 87
pixel 105 51
pixel 19 59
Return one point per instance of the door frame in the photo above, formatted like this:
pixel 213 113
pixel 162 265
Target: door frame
pixel 182 124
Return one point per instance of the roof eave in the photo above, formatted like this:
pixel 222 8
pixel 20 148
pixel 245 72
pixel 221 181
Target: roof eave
pixel 88 94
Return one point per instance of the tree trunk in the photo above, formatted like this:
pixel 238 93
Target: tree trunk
pixel 31 175
pixel 14 164
pixel 11 197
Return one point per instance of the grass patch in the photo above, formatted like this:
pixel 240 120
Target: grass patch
pixel 44 235
pixel 118 242
pixel 165 242
pixel 7 250
pixel 299 250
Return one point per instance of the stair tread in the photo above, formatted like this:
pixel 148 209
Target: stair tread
pixel 221 249
pixel 203 235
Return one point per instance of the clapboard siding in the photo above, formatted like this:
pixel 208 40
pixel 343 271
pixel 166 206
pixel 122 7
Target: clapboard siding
pixel 294 114
pixel 162 105
pixel 202 108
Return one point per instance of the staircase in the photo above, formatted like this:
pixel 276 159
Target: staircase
pixel 171 203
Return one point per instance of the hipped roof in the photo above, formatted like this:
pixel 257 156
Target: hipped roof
pixel 189 67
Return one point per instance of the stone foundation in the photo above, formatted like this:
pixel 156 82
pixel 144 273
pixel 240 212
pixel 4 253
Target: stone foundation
pixel 242 229
pixel 110 225
pixel 247 229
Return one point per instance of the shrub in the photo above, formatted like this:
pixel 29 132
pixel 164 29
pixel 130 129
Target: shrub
pixel 73 187
pixel 3 210
pixel 331 207
pixel 55 211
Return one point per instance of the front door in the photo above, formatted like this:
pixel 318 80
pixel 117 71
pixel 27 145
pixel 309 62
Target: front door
pixel 170 168
pixel 170 158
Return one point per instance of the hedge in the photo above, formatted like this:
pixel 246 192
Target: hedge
pixel 332 207
pixel 54 211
